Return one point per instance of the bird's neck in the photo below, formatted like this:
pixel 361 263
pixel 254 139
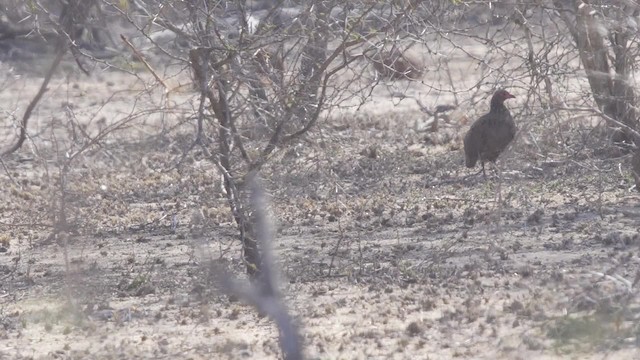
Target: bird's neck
pixel 497 106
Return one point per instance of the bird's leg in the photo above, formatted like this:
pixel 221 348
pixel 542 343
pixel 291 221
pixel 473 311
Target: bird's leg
pixel 498 195
pixel 495 245
pixel 499 187
pixel 484 174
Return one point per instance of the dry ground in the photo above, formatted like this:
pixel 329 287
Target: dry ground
pixel 388 249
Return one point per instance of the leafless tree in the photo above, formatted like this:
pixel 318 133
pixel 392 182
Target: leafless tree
pixel 605 34
pixel 266 76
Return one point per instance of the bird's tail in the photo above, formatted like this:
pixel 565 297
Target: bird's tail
pixel 471 148
pixel 470 159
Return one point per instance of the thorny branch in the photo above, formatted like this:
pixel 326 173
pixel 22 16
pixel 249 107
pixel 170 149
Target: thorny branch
pixel 65 42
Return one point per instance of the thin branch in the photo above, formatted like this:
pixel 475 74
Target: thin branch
pixel 34 102
pixel 631 131
pixel 140 57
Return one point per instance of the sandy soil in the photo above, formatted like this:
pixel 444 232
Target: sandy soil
pixel 388 249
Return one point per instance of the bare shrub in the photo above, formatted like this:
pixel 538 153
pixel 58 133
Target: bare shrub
pixel 239 89
pixel 266 87
pixel 397 64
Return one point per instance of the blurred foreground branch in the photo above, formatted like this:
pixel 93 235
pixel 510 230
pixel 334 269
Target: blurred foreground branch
pixel 262 292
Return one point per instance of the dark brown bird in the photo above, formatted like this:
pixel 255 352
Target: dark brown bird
pixel 491 133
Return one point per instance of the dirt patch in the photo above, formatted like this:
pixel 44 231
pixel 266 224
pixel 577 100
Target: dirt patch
pixel 388 247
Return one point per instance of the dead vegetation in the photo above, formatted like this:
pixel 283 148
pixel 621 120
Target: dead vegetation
pixel 121 214
pixel 396 64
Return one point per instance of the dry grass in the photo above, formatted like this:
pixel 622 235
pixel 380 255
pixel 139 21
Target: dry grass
pixel 388 248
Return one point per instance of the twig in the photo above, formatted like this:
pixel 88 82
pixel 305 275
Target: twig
pixel 336 248
pixel 140 57
pixel 630 130
pixel 6 170
pixel 34 102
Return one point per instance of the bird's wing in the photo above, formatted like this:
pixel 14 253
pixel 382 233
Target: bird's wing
pixel 480 127
pixel 474 140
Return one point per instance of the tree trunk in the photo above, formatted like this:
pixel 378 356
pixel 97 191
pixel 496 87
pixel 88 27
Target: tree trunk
pixel 609 83
pixel 203 63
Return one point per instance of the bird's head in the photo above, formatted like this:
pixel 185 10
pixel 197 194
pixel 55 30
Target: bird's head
pixel 502 95
pixel 499 97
